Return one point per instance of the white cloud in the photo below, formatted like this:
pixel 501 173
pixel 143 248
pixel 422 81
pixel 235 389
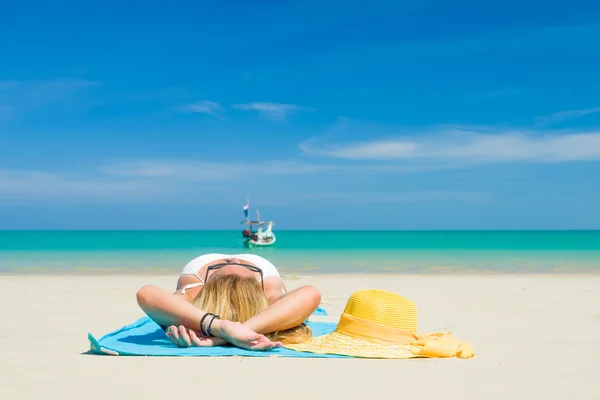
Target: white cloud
pixel 565 115
pixel 203 107
pixel 46 185
pixel 271 110
pixel 27 95
pixel 49 88
pixel 272 197
pixel 207 171
pixel 147 184
pixel 61 85
pixel 466 147
pixel 371 197
pixel 8 84
pixel 143 181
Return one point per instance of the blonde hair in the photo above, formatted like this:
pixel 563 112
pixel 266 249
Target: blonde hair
pixel 237 298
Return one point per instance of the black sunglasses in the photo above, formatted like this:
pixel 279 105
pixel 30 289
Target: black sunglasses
pixel 249 267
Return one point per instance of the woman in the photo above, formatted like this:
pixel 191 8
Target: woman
pixel 236 299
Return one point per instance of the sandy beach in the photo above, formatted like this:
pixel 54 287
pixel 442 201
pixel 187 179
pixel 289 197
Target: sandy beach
pixel 535 337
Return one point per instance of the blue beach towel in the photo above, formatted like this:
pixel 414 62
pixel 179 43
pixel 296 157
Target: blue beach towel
pixel 145 338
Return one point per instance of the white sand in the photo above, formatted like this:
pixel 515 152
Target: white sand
pixel 535 337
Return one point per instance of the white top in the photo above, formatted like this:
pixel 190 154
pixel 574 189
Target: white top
pixel 192 268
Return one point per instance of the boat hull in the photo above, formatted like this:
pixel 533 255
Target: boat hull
pixel 260 243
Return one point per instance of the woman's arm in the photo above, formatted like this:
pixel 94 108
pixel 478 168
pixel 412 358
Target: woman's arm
pixel 168 309
pixel 274 288
pixel 288 311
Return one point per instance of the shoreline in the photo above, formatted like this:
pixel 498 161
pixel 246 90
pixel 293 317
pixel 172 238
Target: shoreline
pixel 83 272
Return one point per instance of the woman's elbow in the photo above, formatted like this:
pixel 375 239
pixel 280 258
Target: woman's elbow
pixel 145 296
pixel 313 296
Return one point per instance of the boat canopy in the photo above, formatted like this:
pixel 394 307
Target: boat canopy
pixel 253 222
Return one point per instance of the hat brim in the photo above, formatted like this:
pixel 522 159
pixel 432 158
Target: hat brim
pixel 342 344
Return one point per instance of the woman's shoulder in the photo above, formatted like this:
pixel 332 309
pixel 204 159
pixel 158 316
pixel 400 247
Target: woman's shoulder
pixel 251 258
pixel 207 258
pixel 261 262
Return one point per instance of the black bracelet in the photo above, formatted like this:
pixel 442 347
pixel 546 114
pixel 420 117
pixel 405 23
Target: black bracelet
pixel 210 323
pixel 202 322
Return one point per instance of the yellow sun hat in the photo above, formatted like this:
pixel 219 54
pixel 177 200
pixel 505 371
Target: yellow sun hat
pixel 382 324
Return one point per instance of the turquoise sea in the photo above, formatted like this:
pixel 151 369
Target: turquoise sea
pixel 305 252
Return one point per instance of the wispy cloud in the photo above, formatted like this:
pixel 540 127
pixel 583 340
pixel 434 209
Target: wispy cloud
pixel 274 111
pixel 308 197
pixel 372 197
pixel 144 181
pixel 55 87
pixel 203 107
pixel 8 84
pixel 148 185
pixel 27 95
pixel 48 185
pixel 208 171
pixel 565 115
pixel 462 147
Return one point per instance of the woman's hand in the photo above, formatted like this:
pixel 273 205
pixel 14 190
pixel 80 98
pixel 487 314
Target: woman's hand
pixel 184 337
pixel 225 332
pixel 241 336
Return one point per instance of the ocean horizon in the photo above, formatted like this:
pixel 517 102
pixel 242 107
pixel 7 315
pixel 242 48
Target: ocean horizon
pixel 305 252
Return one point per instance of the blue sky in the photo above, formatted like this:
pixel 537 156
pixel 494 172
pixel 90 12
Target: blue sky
pixel 330 115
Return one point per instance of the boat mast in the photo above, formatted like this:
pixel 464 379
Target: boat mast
pixel 248 204
pixel 259 226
